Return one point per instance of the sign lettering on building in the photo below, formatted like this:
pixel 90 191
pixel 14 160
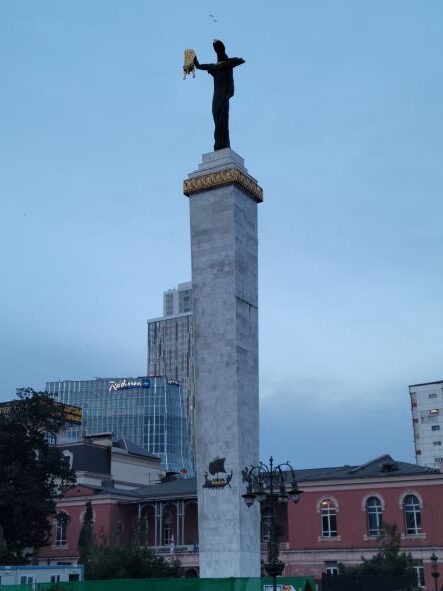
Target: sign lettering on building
pixel 71 414
pixel 129 385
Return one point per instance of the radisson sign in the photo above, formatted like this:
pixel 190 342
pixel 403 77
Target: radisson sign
pixel 129 384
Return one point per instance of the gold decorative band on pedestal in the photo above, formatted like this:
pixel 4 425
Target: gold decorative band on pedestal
pixel 223 177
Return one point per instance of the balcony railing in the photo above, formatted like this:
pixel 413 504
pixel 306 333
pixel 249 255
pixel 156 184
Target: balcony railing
pixel 192 548
pixel 281 546
pixel 177 549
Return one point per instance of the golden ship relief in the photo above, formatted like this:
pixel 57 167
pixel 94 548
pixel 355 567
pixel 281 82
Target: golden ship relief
pixel 217 476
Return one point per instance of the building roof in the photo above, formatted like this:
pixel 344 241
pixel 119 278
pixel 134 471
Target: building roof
pixel 169 488
pixel 88 457
pixel 133 449
pixel 383 466
pixel 426 384
pixel 92 457
pixel 106 488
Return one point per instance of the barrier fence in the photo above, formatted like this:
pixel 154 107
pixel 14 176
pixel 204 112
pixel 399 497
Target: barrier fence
pixel 229 584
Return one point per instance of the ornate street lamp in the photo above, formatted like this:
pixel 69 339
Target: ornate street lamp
pixel 269 482
pixel 434 570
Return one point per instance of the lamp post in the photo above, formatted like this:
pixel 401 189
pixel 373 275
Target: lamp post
pixel 269 482
pixel 434 570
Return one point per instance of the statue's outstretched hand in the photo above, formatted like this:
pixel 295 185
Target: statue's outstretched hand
pixel 196 62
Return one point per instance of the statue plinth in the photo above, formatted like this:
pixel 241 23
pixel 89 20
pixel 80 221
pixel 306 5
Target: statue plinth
pixel 219 168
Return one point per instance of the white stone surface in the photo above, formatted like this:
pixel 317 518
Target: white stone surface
pixel 219 160
pixel 224 280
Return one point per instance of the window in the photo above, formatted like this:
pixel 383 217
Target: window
pixel 412 513
pixel 434 411
pixel 436 443
pixel 185 301
pixel 61 525
pixel 167 529
pixel 428 419
pixel 169 301
pixel 331 567
pixel 74 577
pixel 435 427
pixel 432 395
pixel 50 438
pixel 374 516
pixel 328 513
pixel 69 456
pixel 419 573
pixel 55 579
pixel 266 526
pixel 27 580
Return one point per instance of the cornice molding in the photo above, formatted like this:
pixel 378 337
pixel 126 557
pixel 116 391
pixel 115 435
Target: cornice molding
pixel 227 176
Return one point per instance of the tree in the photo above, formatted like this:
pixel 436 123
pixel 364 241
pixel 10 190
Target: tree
pixel 140 532
pixel 3 548
pixel 389 560
pixel 32 473
pixel 86 537
pixel 128 562
pixel 308 586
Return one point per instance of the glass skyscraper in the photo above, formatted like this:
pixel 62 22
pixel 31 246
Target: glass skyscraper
pixel 171 344
pixel 146 410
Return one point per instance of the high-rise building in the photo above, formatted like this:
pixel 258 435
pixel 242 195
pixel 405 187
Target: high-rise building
pixel 146 410
pixel 427 419
pixel 171 346
pixel 178 300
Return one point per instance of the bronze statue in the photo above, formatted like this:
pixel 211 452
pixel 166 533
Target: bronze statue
pixel 222 72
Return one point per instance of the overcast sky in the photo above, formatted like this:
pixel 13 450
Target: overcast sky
pixel 338 113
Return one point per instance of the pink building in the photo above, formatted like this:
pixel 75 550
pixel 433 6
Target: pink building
pixel 342 510
pixel 337 519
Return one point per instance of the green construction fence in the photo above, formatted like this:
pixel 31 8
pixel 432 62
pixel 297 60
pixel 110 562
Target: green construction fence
pixel 228 584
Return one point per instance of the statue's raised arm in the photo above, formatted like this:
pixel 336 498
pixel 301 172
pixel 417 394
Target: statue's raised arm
pixel 222 72
pixel 231 61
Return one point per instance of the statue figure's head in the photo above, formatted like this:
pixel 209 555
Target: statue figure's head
pixel 219 49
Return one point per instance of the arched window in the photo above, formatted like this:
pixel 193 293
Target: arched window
pixel 374 514
pixel 266 525
pixel 328 512
pixel 61 527
pixel 412 513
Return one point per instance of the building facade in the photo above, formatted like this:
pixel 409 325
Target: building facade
pixel 101 461
pixel 26 576
pixel 171 345
pixel 146 410
pixel 427 422
pixel 338 518
pixel 178 300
